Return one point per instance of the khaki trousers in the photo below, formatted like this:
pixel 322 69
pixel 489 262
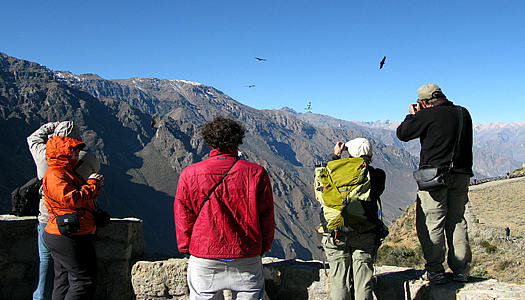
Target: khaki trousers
pixel 440 215
pixel 351 266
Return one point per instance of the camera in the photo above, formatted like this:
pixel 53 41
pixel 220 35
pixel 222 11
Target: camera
pixel 102 218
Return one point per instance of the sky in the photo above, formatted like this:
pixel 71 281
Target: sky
pixel 323 52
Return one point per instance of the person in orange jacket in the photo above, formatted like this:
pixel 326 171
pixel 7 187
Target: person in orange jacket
pixel 66 193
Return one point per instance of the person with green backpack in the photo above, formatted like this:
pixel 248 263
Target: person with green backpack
pixel 349 190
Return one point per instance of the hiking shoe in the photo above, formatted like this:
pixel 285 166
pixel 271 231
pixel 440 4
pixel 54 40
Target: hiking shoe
pixel 461 277
pixel 434 277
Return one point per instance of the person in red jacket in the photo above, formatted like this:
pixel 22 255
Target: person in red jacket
pixel 67 193
pixel 224 217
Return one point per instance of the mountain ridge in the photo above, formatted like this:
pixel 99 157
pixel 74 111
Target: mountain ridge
pixel 146 130
pixel 141 162
pixel 499 147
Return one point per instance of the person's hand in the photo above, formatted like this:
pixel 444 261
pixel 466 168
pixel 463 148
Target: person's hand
pixel 338 148
pixel 99 178
pixel 413 108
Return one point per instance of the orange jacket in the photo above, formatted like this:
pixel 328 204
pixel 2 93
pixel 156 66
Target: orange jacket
pixel 64 191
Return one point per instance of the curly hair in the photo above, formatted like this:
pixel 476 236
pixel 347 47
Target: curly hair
pixel 223 133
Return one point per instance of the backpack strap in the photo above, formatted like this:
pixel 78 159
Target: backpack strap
pixel 214 187
pixel 458 136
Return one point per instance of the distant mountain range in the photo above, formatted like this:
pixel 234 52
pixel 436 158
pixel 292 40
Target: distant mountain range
pixel 498 147
pixel 146 130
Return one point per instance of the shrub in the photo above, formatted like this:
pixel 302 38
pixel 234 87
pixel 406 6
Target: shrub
pixel 478 272
pixel 401 256
pixel 489 248
pixel 502 265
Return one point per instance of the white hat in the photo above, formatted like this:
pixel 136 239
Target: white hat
pixel 359 147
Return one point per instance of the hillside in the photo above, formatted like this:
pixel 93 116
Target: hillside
pixel 492 207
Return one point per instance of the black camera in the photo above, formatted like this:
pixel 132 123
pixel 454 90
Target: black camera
pixel 102 218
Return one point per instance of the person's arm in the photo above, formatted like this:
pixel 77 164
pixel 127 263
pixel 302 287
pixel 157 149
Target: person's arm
pixel 37 145
pixel 183 215
pixel 338 150
pixel 411 128
pixel 377 182
pixel 266 211
pixel 62 189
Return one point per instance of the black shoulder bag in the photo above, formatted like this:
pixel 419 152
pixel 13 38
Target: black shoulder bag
pixel 68 223
pixel 431 178
pixel 214 187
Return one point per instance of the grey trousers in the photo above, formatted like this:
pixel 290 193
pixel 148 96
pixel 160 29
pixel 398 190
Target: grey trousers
pixel 351 266
pixel 207 278
pixel 440 216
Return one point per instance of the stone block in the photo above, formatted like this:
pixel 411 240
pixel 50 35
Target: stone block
pixel 176 271
pixel 148 279
pixel 124 235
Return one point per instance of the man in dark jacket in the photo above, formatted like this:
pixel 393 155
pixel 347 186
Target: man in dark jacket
pixel 440 213
pixel 224 217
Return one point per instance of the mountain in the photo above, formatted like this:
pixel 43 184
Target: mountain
pixel 506 139
pixel 383 131
pixel 146 130
pixel 498 147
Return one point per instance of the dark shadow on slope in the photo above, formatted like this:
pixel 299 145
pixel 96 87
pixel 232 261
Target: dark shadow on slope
pixel 154 208
pixel 285 151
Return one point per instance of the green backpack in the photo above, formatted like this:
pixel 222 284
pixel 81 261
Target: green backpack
pixel 340 186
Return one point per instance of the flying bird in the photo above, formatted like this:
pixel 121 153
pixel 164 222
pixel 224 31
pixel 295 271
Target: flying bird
pixel 382 63
pixel 250 86
pixel 260 59
pixel 308 106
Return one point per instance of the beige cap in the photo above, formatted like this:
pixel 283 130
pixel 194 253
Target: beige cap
pixel 358 147
pixel 430 91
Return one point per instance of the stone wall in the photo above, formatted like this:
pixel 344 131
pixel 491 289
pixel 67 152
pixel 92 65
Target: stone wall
pixel 126 273
pixel 116 246
pixel 285 279
pixel 299 280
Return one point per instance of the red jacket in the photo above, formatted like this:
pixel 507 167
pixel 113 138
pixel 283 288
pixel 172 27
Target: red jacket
pixel 64 191
pixel 237 221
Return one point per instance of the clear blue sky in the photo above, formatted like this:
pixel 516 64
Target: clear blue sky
pixel 325 52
